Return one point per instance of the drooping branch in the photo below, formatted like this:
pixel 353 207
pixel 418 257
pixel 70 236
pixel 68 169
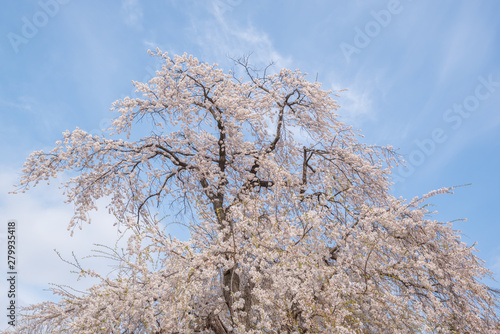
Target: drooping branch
pixel 293 233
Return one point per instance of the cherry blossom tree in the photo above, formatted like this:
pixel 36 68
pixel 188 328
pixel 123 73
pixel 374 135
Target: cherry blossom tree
pixel 292 225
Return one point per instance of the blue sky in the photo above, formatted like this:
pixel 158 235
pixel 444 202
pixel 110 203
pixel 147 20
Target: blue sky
pixel 422 76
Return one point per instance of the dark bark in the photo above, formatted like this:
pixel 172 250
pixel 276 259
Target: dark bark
pixel 231 282
pixel 214 323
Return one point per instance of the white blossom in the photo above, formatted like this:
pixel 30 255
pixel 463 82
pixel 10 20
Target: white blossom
pixel 293 231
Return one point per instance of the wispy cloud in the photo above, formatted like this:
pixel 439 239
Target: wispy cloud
pixel 468 40
pixel 495 267
pixel 21 104
pixel 355 103
pixel 132 13
pixel 42 218
pixel 150 44
pixel 223 35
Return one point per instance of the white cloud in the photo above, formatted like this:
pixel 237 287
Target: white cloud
pixel 132 13
pixel 467 41
pixel 355 99
pixel 495 268
pixel 42 220
pixel 21 104
pixel 221 8
pixel 355 103
pixel 150 45
pixel 223 36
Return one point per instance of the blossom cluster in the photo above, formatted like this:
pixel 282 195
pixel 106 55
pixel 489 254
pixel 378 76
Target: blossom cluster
pixel 293 226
